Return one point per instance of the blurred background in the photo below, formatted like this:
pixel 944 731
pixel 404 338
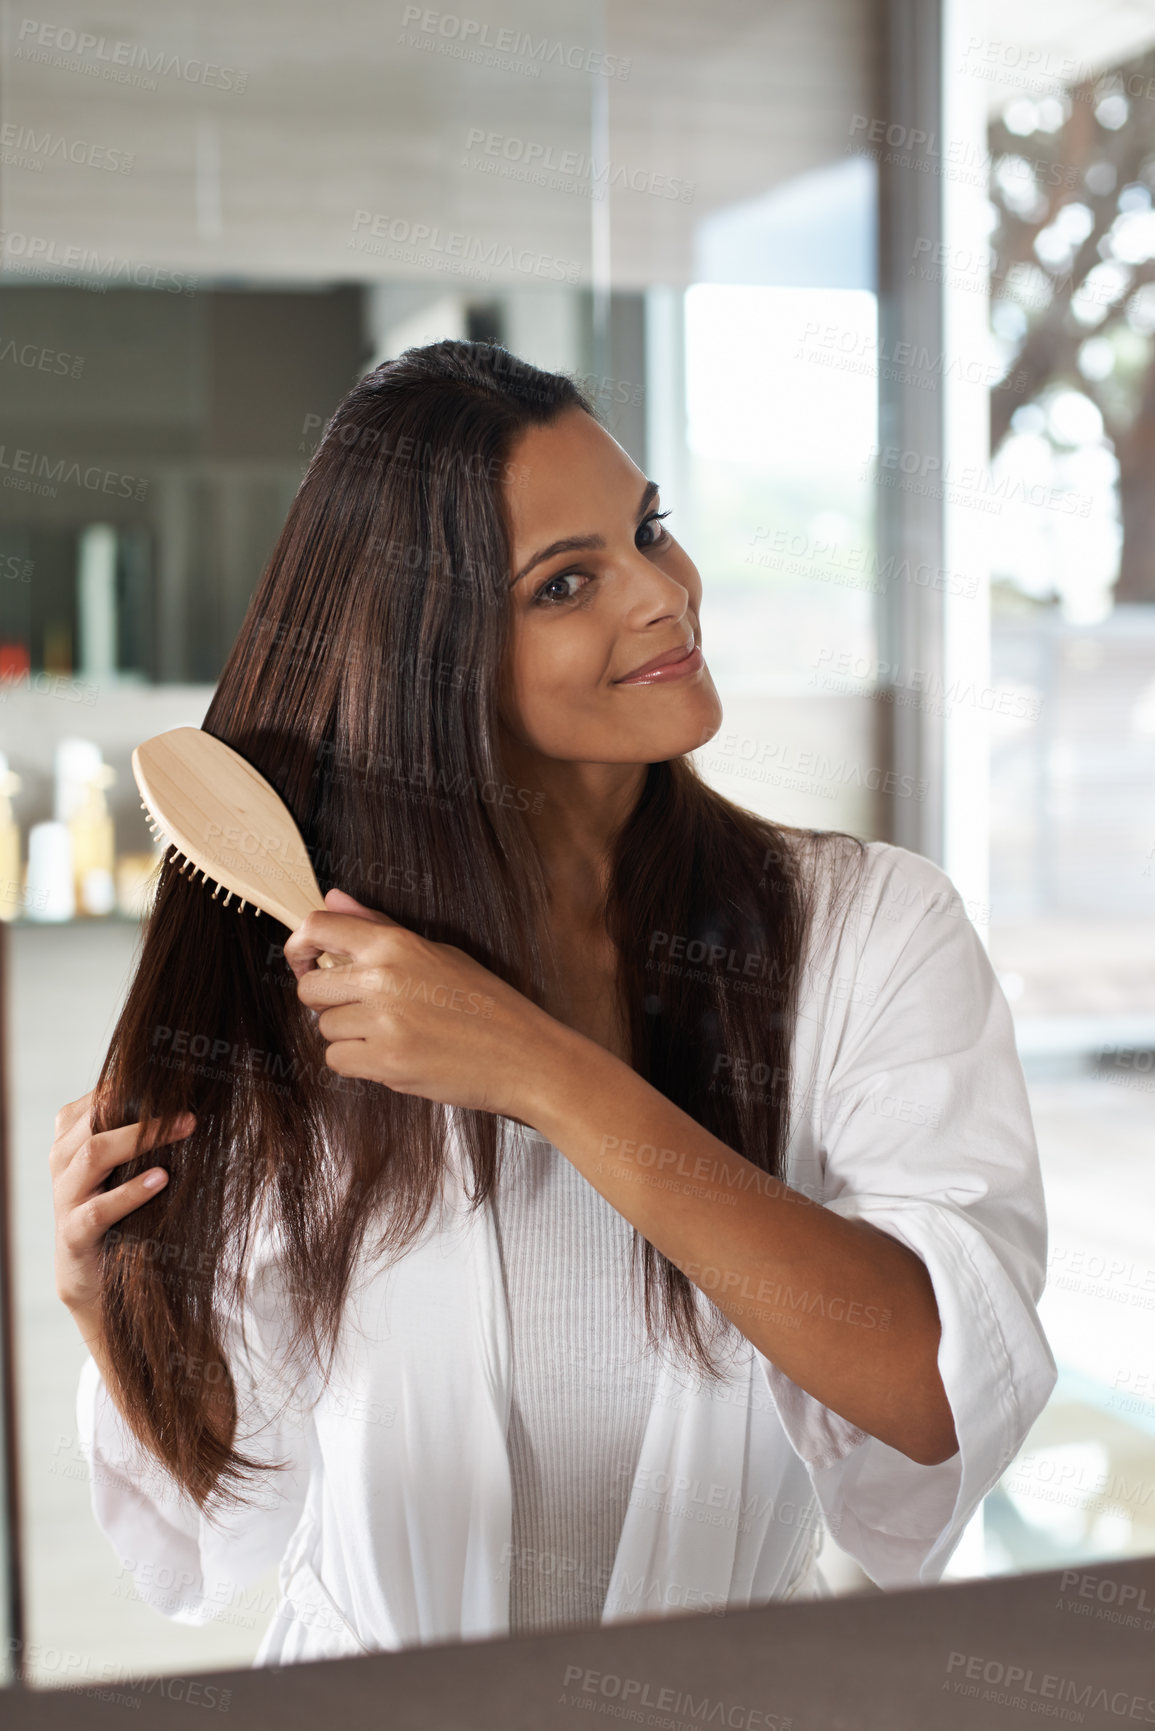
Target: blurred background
pixel 868 286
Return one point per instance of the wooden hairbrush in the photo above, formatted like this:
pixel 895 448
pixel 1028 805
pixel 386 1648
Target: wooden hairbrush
pixel 226 821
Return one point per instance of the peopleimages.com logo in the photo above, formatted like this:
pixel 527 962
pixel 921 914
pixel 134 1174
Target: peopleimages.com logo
pixel 119 62
pixel 475 39
pixel 455 250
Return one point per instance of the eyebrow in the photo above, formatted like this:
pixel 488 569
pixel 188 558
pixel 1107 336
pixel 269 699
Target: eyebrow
pixel 581 543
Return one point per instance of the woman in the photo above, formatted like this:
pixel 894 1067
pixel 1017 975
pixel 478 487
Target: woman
pixel 596 1022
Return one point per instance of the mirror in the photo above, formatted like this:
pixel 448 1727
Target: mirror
pixel 716 218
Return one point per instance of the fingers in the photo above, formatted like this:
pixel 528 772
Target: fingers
pixel 84 1211
pixel 344 1058
pixel 72 1113
pixel 350 983
pixel 78 1125
pixel 86 1223
pixel 84 1165
pixel 344 1022
pixel 340 932
pixel 341 902
pixel 68 1139
pixel 303 959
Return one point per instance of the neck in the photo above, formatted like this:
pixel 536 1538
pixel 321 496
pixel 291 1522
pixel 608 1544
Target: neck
pixel 582 809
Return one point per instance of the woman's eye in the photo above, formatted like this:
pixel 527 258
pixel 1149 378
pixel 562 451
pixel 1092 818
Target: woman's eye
pixel 543 594
pixel 654 517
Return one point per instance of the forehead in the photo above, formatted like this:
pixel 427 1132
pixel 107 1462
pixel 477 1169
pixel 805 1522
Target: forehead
pixel 565 478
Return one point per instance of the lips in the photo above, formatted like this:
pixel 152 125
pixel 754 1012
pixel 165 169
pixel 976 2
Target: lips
pixel 668 659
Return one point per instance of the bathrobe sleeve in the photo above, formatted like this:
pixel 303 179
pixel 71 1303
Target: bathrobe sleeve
pixel 924 1129
pixel 188 1565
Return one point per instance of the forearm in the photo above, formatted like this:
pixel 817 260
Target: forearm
pixel 87 1320
pixel 221 1410
pixel 846 1311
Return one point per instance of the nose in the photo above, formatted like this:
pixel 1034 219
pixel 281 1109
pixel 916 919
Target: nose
pixel 654 594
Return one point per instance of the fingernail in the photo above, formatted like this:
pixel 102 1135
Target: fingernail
pixel 152 1179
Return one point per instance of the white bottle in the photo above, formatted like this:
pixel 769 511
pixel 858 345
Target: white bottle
pixel 50 893
pixel 74 762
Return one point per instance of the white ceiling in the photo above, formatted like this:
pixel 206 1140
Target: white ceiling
pixel 341 112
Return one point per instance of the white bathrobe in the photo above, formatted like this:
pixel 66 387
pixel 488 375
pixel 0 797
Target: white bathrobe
pixel 392 1525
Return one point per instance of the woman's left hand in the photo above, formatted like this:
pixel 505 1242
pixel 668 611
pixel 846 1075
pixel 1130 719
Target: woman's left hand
pixel 424 1018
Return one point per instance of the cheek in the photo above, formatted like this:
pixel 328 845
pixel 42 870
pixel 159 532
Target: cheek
pixel 562 667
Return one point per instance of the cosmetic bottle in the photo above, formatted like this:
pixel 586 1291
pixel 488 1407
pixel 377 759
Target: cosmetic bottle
pixel 11 887
pixel 94 845
pixel 49 892
pixel 74 760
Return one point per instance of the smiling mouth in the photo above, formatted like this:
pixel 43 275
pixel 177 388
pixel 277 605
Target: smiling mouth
pixel 675 664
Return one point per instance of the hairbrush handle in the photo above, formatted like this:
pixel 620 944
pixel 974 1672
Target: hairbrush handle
pixel 227 822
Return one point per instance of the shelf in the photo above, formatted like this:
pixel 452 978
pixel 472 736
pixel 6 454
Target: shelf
pixel 116 919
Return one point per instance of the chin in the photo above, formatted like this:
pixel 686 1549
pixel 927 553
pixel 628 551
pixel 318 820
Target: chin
pixel 691 735
pixel 701 727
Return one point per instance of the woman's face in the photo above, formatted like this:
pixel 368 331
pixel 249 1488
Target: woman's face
pixel 583 620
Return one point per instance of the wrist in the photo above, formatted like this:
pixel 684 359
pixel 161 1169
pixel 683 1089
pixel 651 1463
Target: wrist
pixel 86 1316
pixel 552 1073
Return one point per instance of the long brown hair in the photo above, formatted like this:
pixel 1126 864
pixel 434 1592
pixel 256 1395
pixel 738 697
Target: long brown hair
pixel 362 684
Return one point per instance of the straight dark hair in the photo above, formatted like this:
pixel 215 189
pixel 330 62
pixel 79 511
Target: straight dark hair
pixel 362 684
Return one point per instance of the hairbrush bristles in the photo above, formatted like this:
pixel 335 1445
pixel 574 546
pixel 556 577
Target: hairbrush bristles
pixel 177 857
pixel 159 835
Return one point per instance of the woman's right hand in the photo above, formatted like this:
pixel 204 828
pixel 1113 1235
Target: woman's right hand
pixel 79 1162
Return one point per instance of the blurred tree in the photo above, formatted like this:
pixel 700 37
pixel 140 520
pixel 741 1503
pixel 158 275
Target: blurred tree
pixel 1073 288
